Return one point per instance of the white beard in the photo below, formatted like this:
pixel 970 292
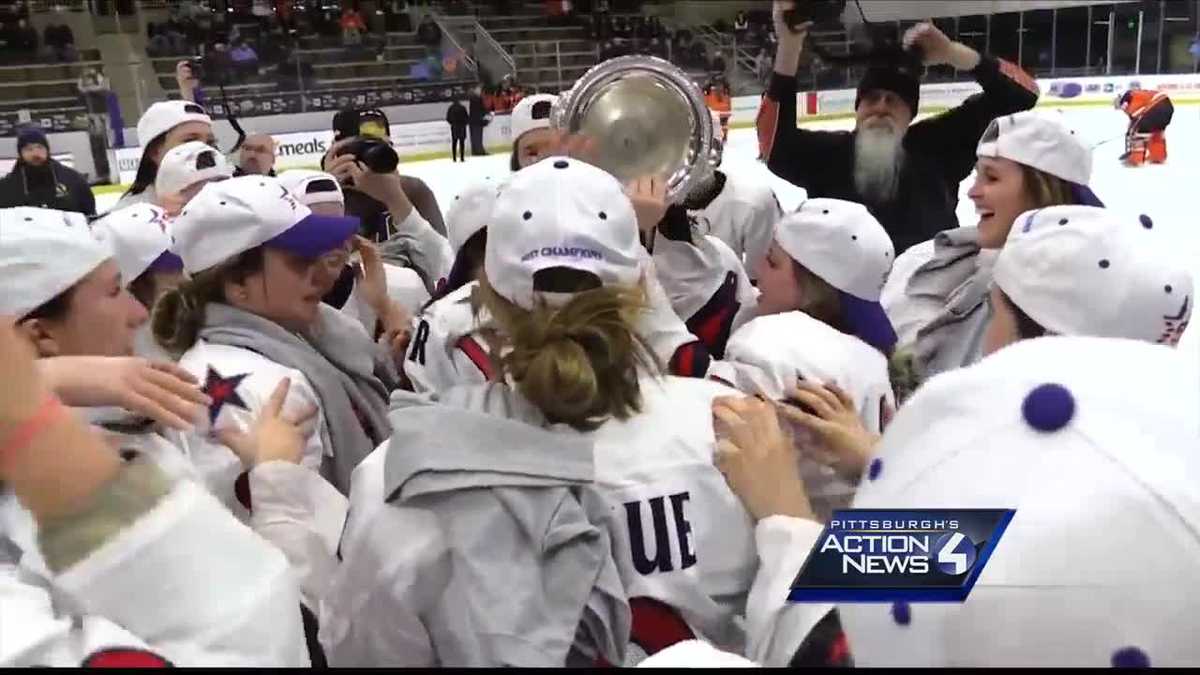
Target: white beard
pixel 878 156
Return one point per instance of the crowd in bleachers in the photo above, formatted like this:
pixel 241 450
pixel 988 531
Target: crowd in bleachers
pixel 20 42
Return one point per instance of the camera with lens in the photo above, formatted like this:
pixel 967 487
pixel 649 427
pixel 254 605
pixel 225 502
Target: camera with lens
pixel 196 64
pixel 370 130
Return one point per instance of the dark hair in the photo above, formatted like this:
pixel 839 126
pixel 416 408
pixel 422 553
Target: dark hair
pixel 143 289
pixel 467 264
pixel 147 170
pixel 1027 327
pixel 179 313
pixel 514 159
pixel 54 309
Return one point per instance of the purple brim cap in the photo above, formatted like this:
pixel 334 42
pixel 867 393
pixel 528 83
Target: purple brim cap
pixel 1084 196
pixel 166 262
pixel 315 235
pixel 868 322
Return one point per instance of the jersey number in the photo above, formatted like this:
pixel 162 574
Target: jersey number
pixel 678 528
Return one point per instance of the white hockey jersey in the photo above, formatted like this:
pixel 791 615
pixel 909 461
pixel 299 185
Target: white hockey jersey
pixel 680 535
pixel 707 286
pixel 448 349
pixel 240 382
pixel 743 215
pixel 770 352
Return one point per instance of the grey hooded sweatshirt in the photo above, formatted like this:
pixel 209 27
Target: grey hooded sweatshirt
pixel 957 279
pixel 501 562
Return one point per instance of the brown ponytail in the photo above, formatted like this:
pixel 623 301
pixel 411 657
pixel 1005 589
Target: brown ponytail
pixel 579 363
pixel 179 313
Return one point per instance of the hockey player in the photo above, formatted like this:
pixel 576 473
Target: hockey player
pixel 1025 161
pixel 251 314
pixel 379 295
pixel 531 134
pixel 739 212
pixel 579 436
pixel 124 548
pixel 183 171
pixel 1149 114
pixel 819 319
pixel 1079 270
pixel 719 100
pixel 163 126
pixel 1038 428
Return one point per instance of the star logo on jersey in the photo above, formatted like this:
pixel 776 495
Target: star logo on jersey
pixel 222 390
pixel 1173 326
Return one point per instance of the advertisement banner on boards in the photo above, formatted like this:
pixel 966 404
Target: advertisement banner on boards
pixel 305 149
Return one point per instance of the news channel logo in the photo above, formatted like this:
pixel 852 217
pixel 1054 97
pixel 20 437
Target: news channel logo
pixel 872 555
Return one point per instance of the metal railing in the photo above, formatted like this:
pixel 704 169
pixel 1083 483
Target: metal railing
pixel 540 51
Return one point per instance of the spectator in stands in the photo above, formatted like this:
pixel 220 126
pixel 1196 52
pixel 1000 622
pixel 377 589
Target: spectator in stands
pixel 697 55
pixel 741 26
pixel 608 50
pixel 352 26
pixel 257 156
pixel 42 181
pixel 458 119
pixel 25 37
pixel 59 43
pixel 244 58
pixel 717 63
pixel 429 34
pixel 396 17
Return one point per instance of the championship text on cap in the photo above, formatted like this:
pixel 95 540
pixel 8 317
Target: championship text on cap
pixel 868 555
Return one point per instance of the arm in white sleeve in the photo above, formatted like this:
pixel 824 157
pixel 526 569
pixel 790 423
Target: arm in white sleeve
pixel 191 583
pixel 775 627
pixel 428 252
pixel 303 516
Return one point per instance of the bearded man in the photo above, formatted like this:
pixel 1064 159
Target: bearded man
pixel 37 179
pixel 908 176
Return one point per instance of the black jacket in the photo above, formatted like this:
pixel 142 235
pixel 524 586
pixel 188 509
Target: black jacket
pixel 62 188
pixel 478 114
pixel 940 151
pixel 456 116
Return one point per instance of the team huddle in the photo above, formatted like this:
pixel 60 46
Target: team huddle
pixel 593 426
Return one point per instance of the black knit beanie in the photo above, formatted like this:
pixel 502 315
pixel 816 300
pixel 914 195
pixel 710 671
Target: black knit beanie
pixel 899 82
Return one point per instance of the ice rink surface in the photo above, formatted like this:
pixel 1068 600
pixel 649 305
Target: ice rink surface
pixel 1168 193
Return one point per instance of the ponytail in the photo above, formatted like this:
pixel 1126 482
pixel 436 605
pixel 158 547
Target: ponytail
pixel 578 363
pixel 147 171
pixel 178 315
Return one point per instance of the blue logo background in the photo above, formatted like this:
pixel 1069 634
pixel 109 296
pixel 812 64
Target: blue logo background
pixel 942 567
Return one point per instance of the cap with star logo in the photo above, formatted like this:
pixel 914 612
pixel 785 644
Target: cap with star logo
pixel 236 215
pixel 139 240
pixel 1082 270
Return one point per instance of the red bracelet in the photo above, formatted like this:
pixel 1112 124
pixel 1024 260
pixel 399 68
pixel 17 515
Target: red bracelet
pixel 29 429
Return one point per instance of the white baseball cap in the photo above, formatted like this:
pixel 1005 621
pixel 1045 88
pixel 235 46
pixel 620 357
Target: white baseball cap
pixel 560 212
pixel 139 241
pixel 166 115
pixel 1044 143
pixel 313 187
pixel 43 253
pixel 843 244
pixel 236 215
pixel 1081 270
pixel 531 112
pixel 1098 565
pixel 185 165
pixel 470 210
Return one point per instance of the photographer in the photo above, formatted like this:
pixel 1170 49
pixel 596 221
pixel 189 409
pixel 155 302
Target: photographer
pixel 379 197
pixel 907 177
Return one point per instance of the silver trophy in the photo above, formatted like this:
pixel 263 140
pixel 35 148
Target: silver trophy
pixel 646 116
